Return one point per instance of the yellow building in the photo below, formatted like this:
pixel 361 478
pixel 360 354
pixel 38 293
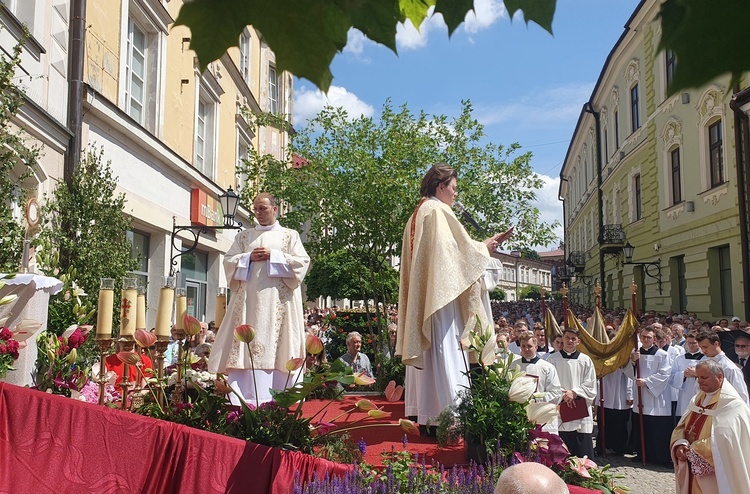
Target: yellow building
pixel 174 135
pixel 658 173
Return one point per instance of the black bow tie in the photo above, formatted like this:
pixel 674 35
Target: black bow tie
pixel 532 361
pixel 693 356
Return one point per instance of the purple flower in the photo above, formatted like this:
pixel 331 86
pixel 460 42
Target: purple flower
pixel 362 445
pixel 233 417
pixel 405 441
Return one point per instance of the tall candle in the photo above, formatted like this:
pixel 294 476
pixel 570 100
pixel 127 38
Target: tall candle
pixel 221 306
pixel 104 311
pixel 164 312
pixel 129 306
pixel 140 314
pixel 180 308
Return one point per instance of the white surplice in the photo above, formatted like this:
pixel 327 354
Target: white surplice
pixel 685 386
pixel 547 382
pixel 579 375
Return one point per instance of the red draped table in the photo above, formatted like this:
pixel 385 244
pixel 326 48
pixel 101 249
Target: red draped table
pixel 55 444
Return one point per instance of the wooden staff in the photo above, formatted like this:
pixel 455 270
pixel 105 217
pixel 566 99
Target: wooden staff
pixel 542 292
pixel 564 292
pixel 633 288
pixel 602 426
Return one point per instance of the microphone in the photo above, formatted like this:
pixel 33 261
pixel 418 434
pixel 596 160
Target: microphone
pixel 466 215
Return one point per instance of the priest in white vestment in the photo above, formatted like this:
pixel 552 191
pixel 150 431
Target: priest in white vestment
pixel 265 267
pixel 710 345
pixel 711 444
pixel 442 278
pixel 657 398
pixel 683 374
pixel 548 388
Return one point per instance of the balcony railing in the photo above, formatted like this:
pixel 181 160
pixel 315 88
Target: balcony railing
pixel 612 238
pixel 577 259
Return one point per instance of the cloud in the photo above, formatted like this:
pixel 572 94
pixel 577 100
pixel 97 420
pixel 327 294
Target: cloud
pixel 550 209
pixel 309 102
pixel 485 13
pixel 409 38
pixel 355 42
pixel 546 108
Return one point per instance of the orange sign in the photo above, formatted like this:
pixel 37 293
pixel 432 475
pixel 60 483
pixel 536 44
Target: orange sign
pixel 204 209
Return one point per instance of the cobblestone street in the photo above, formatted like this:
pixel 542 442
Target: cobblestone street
pixel 649 479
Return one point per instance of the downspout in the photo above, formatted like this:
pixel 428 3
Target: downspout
pixel 589 108
pixel 742 154
pixel 565 226
pixel 76 46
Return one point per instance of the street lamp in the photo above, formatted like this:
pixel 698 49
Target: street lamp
pixel 628 250
pixel 229 201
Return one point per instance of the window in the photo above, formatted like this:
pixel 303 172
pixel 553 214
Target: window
pixel 194 268
pixel 670 64
pixel 139 250
pixel 273 90
pixel 676 176
pixel 637 205
pixel 135 72
pixel 725 280
pixel 617 130
pixel 677 265
pixel 715 154
pixel 606 145
pixel 635 118
pixel 242 152
pixel 245 56
pixel 24 11
pixel 204 136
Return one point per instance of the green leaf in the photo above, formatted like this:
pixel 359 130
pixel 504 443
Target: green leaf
pixel 539 11
pixel 415 10
pixel 706 38
pixel 454 12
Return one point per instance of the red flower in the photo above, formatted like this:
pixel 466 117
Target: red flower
pixel 5 334
pixel 76 339
pixel 346 318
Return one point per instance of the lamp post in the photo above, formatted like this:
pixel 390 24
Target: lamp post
pixel 649 266
pixel 229 201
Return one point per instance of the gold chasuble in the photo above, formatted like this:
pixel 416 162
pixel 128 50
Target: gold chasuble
pixel 440 263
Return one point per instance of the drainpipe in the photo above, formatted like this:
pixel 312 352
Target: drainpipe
pixel 742 154
pixel 565 225
pixel 589 108
pixel 76 45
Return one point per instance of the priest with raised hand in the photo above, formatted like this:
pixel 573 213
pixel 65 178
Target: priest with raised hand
pixel 265 267
pixel 440 296
pixel 711 444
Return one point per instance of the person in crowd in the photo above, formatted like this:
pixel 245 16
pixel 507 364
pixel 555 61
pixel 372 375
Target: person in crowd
pixel 265 265
pixel 710 345
pixel 664 341
pixel 114 364
pixel 653 382
pixel 171 354
pixel 578 380
pixel 212 327
pixel 358 361
pixel 530 478
pixel 541 371
pixel 435 317
pixel 711 444
pixel 683 374
pixel 618 404
pixel 543 348
pixel 678 335
pixel 742 349
pixel 519 327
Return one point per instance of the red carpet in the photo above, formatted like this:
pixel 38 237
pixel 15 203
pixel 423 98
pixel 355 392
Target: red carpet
pixel 380 438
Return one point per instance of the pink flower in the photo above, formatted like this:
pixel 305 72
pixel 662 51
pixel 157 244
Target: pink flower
pixel 322 428
pixel 5 334
pixel 76 339
pixel 294 364
pixel 191 325
pixel 244 333
pixel 129 358
pixel 378 414
pixel 362 379
pixel 408 426
pixel 144 338
pixel 313 344
pixel 365 405
pixel 578 466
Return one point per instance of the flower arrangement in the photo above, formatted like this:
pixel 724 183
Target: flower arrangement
pixel 8 351
pixel 60 369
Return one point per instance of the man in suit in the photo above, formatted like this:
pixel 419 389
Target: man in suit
pixel 742 349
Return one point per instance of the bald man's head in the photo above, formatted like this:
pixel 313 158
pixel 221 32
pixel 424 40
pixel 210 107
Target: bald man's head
pixel 530 478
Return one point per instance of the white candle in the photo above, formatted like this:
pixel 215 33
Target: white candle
pixel 140 314
pixel 164 312
pixel 104 311
pixel 129 306
pixel 181 309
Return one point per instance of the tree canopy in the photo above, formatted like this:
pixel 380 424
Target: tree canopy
pixel 706 37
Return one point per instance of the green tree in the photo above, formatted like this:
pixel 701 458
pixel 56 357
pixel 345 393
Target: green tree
pixel 529 293
pixel 497 294
pixel 16 159
pixel 305 36
pixel 527 253
pixel 86 223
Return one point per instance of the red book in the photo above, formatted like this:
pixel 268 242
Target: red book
pixel 579 411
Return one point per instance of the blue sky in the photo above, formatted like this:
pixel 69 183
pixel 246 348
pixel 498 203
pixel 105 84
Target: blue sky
pixel 526 85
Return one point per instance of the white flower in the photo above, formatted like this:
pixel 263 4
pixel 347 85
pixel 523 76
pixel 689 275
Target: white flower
pixel 521 389
pixel 541 413
pixel 488 352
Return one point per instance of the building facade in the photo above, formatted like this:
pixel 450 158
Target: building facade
pixel 657 172
pixel 520 273
pixel 172 135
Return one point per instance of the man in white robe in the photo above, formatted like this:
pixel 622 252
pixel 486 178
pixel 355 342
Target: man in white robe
pixel 711 347
pixel 440 297
pixel 618 403
pixel 265 267
pixel 545 374
pixel 683 374
pixel 711 444
pixel 578 379
pixel 653 383
pixel 664 341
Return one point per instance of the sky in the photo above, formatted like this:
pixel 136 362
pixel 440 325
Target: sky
pixel 526 85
